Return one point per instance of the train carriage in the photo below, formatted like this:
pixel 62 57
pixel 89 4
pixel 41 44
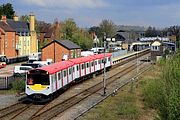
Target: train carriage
pixel 100 58
pixel 43 82
pixel 82 66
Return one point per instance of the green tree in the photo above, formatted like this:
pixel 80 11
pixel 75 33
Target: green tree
pixel 69 27
pixel 151 32
pixel 24 18
pixel 108 27
pixel 83 39
pixel 175 30
pixel 7 9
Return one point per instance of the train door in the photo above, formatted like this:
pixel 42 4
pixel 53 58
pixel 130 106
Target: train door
pixel 73 73
pixel 56 82
pixel 99 66
pixel 87 70
pixel 92 67
pixel 65 82
pixel 77 71
pixel 95 65
pixel 69 74
pixel 53 83
pixel 82 69
pixel 59 80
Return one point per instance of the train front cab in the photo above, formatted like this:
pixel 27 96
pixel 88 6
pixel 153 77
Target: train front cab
pixel 38 85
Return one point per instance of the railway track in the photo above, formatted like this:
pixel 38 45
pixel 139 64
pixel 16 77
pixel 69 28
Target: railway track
pixel 61 107
pixel 17 111
pixel 12 110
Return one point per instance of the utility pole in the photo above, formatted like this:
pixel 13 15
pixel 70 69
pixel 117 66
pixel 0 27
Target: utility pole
pixel 104 61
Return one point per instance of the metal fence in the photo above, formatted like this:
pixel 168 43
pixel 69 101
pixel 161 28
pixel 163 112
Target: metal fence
pixel 5 82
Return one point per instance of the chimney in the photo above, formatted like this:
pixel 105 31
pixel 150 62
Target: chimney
pixel 15 18
pixel 3 18
pixel 32 22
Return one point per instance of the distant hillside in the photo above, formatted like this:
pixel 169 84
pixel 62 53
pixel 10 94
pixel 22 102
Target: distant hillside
pixel 131 28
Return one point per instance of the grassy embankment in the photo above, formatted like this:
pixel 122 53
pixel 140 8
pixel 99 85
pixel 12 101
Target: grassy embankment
pixel 155 96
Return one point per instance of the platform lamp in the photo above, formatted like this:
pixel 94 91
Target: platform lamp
pixel 104 61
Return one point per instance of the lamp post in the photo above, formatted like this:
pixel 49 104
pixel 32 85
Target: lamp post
pixel 104 61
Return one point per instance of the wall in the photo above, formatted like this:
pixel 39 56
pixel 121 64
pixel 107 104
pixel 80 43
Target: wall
pixel 50 53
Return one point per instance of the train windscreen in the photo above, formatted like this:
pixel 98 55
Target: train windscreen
pixel 38 78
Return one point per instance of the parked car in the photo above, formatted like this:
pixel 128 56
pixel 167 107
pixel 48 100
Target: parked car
pixel 33 65
pixel 2 61
pixel 21 70
pixel 42 63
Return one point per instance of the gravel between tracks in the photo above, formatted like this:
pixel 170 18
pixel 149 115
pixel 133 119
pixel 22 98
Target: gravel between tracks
pixel 7 100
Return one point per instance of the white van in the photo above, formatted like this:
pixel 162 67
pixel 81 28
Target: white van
pixel 21 70
pixel 42 63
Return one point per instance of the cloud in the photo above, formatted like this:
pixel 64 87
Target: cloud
pixel 71 4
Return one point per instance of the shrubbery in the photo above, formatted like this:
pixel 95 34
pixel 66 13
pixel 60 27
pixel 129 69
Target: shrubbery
pixel 19 85
pixel 163 93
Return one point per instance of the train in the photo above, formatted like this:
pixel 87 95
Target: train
pixel 45 83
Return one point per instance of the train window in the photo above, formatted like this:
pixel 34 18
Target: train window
pixel 73 69
pixel 64 73
pixel 30 81
pixel 99 61
pixel 69 71
pixel 92 63
pixel 38 78
pixel 59 76
pixel 87 65
pixel 55 77
pixel 95 62
pixel 82 66
pixel 77 67
pixel 109 59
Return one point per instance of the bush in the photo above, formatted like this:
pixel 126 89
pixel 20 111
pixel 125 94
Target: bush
pixel 18 85
pixel 163 93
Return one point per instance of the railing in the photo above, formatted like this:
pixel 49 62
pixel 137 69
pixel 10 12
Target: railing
pixel 5 82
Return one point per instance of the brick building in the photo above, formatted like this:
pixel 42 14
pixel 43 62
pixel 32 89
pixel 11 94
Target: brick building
pixel 59 50
pixel 8 39
pixel 18 37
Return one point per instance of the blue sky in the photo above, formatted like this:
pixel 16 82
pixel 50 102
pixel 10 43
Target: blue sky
pixel 87 13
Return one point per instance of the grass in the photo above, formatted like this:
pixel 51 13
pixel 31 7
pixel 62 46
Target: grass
pixel 128 104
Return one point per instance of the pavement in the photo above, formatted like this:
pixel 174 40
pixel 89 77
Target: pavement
pixel 8 70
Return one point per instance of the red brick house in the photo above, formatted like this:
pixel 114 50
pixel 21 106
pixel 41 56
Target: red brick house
pixel 59 50
pixel 49 32
pixel 8 39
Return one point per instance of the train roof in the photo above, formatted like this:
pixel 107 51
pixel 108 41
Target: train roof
pixel 82 59
pixel 99 56
pixel 55 67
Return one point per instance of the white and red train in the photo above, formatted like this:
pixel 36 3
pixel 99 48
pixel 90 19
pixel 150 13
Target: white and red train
pixel 44 83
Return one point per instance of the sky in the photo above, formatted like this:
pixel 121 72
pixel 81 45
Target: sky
pixel 88 13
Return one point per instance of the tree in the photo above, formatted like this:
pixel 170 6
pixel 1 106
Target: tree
pixel 95 29
pixel 24 18
pixel 108 27
pixel 69 28
pixel 151 32
pixel 175 30
pixel 7 9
